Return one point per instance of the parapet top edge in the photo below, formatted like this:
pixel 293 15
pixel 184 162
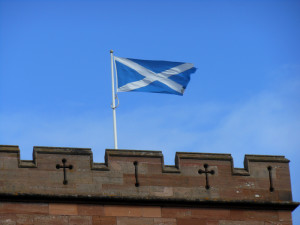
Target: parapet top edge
pixel 133 150
pixel 53 147
pixel 266 158
pixel 134 153
pixel 9 148
pixel 207 156
pixel 62 150
pixel 143 153
pixel 17 146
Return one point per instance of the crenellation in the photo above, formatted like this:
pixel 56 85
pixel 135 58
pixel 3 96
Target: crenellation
pixel 196 178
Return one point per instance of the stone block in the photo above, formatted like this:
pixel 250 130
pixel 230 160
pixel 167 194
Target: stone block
pixel 191 221
pixel 230 222
pixel 99 220
pixel 164 221
pixel 132 211
pixel 261 215
pixel 63 209
pixel 80 220
pixel 162 191
pixel 23 208
pixel 151 211
pixel 176 212
pixel 258 215
pixel 8 219
pixel 285 216
pixel 90 210
pixel 278 223
pixel 25 219
pixel 220 214
pixel 212 222
pixel 134 221
pixel 50 220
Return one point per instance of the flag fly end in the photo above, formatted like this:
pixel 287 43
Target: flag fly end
pixel 152 75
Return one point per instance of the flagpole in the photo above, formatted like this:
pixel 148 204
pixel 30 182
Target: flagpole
pixel 113 99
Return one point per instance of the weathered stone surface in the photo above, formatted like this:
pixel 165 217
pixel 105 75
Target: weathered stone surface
pixel 191 222
pixel 50 220
pixel 85 214
pixel 133 211
pixel 80 220
pixel 116 176
pixel 100 220
pixel 90 210
pixel 63 209
pixel 23 208
pixel 33 192
pixel 164 221
pixel 134 221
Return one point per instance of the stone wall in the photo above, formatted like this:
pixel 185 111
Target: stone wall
pixel 135 187
pixel 97 214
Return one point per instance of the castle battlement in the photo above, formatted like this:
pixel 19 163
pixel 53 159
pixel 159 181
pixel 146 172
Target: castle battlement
pixel 141 177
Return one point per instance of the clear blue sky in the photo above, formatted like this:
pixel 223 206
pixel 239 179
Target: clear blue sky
pixel 55 87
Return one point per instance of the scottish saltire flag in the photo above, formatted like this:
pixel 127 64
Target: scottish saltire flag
pixel 152 76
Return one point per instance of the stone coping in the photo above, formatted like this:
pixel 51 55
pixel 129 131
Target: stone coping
pixel 140 153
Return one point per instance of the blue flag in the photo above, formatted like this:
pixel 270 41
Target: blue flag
pixel 152 76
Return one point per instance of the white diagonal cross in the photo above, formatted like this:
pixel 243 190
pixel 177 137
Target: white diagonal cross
pixel 151 76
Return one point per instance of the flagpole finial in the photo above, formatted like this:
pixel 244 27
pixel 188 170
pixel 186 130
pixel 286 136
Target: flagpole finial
pixel 111 51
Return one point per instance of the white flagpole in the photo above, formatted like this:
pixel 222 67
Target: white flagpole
pixel 113 99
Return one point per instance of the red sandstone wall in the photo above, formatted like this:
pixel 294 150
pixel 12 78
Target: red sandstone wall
pixel 107 193
pixel 84 214
pixel 116 177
